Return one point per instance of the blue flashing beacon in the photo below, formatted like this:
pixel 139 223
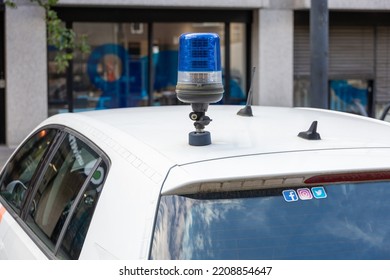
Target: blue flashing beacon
pixel 199 70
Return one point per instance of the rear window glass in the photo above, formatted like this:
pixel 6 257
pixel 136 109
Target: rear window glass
pixel 344 221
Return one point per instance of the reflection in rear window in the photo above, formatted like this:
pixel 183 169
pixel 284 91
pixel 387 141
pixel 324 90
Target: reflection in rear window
pixel 345 221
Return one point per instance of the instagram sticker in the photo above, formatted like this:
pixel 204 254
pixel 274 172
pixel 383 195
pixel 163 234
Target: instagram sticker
pixel 304 194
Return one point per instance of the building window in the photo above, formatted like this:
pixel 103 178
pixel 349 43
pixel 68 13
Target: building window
pixel 238 65
pixel 114 73
pixel 134 63
pixel 352 96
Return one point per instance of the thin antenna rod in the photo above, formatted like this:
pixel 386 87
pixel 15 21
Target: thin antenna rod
pixel 247 110
pixel 249 99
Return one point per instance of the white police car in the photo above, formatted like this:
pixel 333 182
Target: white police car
pixel 133 184
pixel 126 184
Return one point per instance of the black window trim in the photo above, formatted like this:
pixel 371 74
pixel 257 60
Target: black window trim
pixel 124 14
pixel 19 216
pixel 74 206
pixel 38 176
pixel 9 208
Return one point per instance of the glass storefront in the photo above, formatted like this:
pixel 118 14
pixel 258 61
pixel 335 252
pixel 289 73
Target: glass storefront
pixel 351 96
pixel 57 88
pixel 118 72
pixel 238 72
pixel 114 73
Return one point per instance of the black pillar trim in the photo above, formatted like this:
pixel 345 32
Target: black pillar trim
pixel 150 76
pixel 227 63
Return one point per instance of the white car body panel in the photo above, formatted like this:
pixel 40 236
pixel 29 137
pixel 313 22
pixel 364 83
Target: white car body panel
pixel 292 169
pixel 3 230
pixel 149 153
pixel 15 243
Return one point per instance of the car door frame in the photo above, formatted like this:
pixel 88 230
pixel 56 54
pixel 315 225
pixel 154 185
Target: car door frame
pixel 27 234
pixel 14 222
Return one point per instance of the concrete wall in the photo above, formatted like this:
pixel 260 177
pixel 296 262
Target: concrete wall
pixel 275 58
pixel 26 71
pixel 364 5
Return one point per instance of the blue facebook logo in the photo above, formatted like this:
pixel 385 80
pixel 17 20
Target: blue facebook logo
pixel 290 195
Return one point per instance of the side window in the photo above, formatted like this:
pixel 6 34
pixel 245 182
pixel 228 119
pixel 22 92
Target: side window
pixel 76 231
pixel 18 173
pixel 65 194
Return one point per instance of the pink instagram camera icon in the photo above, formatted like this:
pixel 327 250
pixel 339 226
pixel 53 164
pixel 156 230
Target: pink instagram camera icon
pixel 304 194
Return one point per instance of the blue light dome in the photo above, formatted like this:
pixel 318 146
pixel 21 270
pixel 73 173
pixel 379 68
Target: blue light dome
pixel 199 59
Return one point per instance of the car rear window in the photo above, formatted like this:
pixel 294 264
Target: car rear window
pixel 343 221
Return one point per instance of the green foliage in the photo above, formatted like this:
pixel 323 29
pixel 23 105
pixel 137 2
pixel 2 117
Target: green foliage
pixel 59 36
pixel 10 3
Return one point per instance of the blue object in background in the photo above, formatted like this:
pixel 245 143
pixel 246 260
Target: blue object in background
pixel 129 88
pixel 165 67
pixel 122 91
pixel 346 96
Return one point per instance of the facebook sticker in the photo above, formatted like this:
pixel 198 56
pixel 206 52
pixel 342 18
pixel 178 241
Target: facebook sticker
pixel 319 192
pixel 290 195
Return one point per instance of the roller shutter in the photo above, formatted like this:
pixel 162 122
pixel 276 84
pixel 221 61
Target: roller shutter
pixel 351 52
pixel 382 81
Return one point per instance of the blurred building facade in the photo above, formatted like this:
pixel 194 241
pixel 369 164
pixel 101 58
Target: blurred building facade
pixel 134 46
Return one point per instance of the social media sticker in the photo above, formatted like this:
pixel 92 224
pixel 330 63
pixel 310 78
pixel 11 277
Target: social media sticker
pixel 290 195
pixel 319 192
pixel 304 194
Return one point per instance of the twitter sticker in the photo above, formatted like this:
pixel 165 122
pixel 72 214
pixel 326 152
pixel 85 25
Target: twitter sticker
pixel 319 192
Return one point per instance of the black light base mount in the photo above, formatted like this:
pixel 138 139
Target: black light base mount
pixel 199 138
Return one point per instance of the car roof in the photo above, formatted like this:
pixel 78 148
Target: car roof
pixel 271 130
pixel 246 153
pixel 263 150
